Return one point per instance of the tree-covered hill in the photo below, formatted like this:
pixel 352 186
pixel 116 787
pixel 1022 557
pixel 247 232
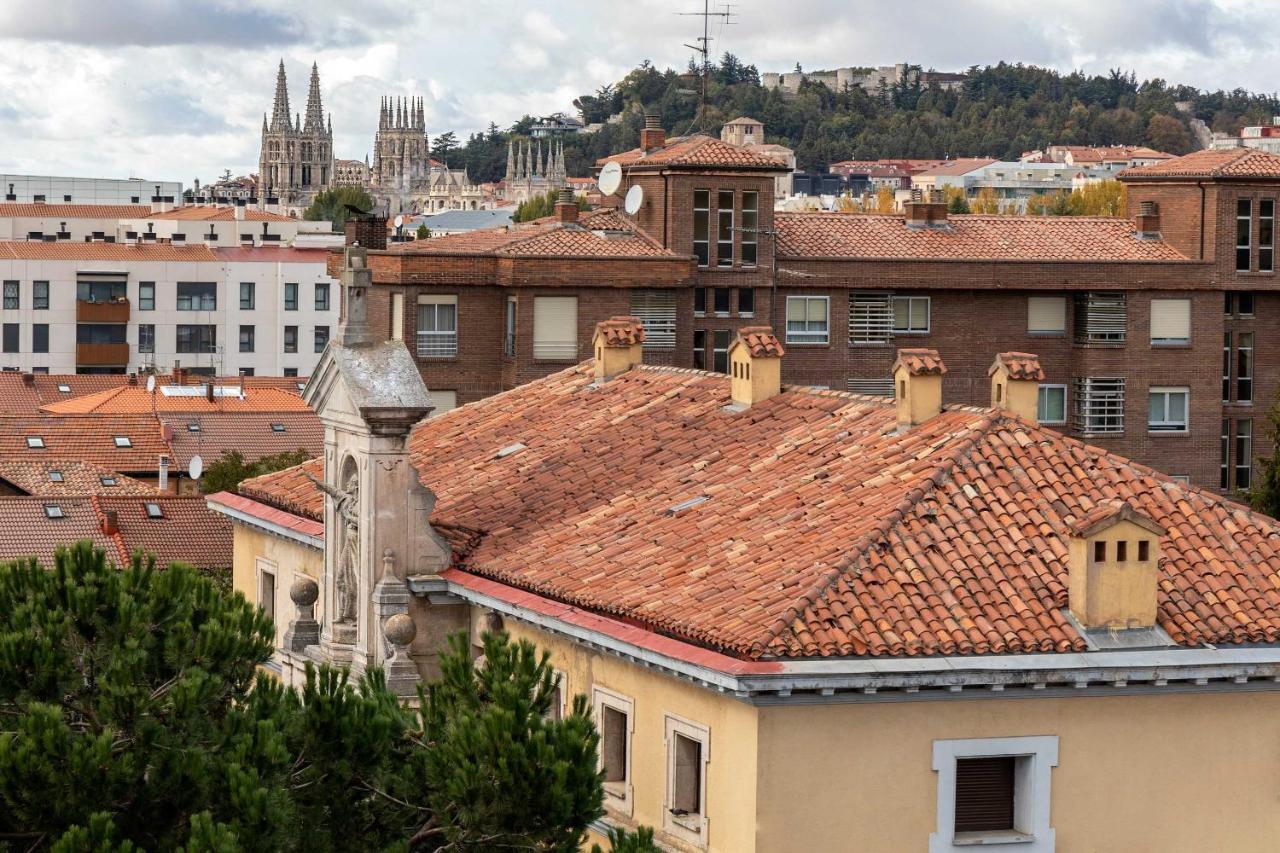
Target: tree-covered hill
pixel 1001 111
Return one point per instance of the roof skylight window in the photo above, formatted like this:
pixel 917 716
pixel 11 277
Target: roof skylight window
pixel 123 441
pixel 53 511
pixel 35 442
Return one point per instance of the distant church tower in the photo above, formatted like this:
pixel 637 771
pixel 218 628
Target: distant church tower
pixel 296 159
pixel 529 174
pixel 401 158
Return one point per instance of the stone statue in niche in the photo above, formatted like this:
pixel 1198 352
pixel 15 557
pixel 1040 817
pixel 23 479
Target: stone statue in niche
pixel 346 505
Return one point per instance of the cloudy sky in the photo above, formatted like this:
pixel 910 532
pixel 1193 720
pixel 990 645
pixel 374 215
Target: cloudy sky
pixel 175 90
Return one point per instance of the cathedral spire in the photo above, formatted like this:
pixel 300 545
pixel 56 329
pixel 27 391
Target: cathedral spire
pixel 510 176
pixel 315 113
pixel 280 109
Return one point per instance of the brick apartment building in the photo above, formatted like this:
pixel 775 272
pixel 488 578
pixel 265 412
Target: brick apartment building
pixel 1127 315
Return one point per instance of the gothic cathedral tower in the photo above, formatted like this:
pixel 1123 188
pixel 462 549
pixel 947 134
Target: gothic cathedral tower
pixel 296 159
pixel 401 158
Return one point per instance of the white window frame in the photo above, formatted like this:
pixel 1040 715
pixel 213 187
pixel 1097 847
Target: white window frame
pixel 1037 755
pixel 808 337
pixel 1040 407
pixel 690 829
pixel 1166 426
pixel 267 567
pixel 910 301
pixel 436 343
pixel 617 796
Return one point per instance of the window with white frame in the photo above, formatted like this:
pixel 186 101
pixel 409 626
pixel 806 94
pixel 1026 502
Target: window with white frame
pixel 615 716
pixel 688 751
pixel 994 790
pixel 750 227
pixel 1244 453
pixel 702 226
pixel 1244 233
pixel 437 326
pixel 807 320
pixel 397 317
pixel 1224 472
pixel 1046 315
pixel 555 328
pixel 657 310
pixel 1051 404
pixel 1266 235
pixel 1170 322
pixel 1098 405
pixel 724 228
pixel 1167 409
pixel 871 318
pixel 910 315
pixel 1244 367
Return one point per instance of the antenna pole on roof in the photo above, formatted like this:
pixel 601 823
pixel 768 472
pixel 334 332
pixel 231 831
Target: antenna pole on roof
pixel 703 48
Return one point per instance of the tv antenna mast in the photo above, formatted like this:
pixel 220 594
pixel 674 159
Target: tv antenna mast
pixel 703 48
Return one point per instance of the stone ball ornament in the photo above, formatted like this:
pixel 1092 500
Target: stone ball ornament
pixel 304 591
pixel 399 629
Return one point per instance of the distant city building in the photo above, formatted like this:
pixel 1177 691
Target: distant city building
pixel 351 173
pixel 556 124
pixel 1111 158
pixel 404 178
pixel 296 159
pixel 748 131
pixel 874 81
pixel 1265 137
pixel 530 173
pixel 62 190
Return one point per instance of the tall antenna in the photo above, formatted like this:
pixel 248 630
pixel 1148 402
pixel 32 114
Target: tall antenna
pixel 703 47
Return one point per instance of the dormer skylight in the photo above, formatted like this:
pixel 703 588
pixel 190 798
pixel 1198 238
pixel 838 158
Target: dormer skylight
pixel 35 442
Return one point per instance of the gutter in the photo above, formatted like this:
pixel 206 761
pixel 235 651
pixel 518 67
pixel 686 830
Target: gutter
pixel 257 521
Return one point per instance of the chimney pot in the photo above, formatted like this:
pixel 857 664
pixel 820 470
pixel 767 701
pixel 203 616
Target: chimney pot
pixel 28 378
pixel 653 136
pixel 755 366
pixel 208 390
pixel 567 206
pixel 618 344
pixel 917 383
pixel 110 522
pixel 1114 557
pixel 1015 384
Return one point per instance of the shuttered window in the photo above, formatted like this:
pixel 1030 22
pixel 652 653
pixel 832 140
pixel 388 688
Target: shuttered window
pixel 870 318
pixel 1100 318
pixel 984 794
pixel 443 401
pixel 555 328
pixel 657 310
pixel 1099 405
pixel 879 387
pixel 1046 315
pixel 437 326
pixel 1170 321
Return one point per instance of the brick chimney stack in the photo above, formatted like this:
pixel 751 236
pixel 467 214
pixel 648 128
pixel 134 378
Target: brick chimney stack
pixel 110 522
pixel 1147 222
pixel 926 210
pixel 653 136
pixel 567 206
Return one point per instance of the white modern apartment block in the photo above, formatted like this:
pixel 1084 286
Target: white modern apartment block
pixel 1264 137
pixel 98 307
pixel 51 189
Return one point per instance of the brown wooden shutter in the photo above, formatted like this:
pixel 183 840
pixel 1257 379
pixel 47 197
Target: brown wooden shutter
pixel 984 794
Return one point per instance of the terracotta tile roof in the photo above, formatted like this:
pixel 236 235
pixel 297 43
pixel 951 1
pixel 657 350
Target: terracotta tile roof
pixel 1014 238
pixel 1211 163
pixel 251 433
pixel 86 438
pixel 209 213
pixel 66 250
pixel 24 394
pixel 1108 513
pixel 810 527
pixel 76 479
pixel 1022 366
pixel 273 255
pixel 134 399
pixel 920 362
pixel 27 531
pixel 698 151
pixel 605 233
pixel 74 211
pixel 761 342
pixel 187 531
pixel 955 168
pixel 290 489
pixel 620 331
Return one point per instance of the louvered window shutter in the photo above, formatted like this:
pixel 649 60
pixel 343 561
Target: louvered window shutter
pixel 984 794
pixel 657 310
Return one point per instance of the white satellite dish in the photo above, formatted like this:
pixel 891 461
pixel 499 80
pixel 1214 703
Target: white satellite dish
pixel 196 468
pixel 610 178
pixel 635 197
pixel 399 220
pixel 151 384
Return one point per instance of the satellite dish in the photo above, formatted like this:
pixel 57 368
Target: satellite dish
pixel 610 178
pixel 635 197
pixel 399 221
pixel 196 468
pixel 151 384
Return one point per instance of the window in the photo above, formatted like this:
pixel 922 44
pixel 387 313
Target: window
pixel 1244 367
pixel 1244 233
pixel 1099 405
pixel 1266 235
pixel 910 314
pixel 614 720
pixel 193 427
pixel 397 317
pixel 146 337
pixel 40 295
pixel 322 296
pixel 100 291
pixel 1170 322
pixel 10 337
pixel 443 401
pixel 12 300
pixel 290 338
pixel 699 301
pixel 123 441
pixel 321 338
pixel 292 371
pixel 1224 473
pixel 720 300
pixel 994 789
pixel 247 295
pixel 699 349
pixel 746 302
pixel 40 337
pixel 146 296
pixel 702 226
pixel 657 310
pixel 1244 304
pixel 806 319
pixel 750 227
pixel 878 387
pixel 197 296
pixel 555 328
pixel 558 692
pixel 687 757
pixel 53 511
pixel 437 326
pixel 246 338
pixel 35 442
pixel 55 476
pixel 509 341
pixel 1244 453
pixel 724 228
pixel 197 339
pixel 870 318
pixel 277 428
pixel 1167 409
pixel 721 338
pixel 153 510
pixel 291 296
pixel 1226 367
pixel 100 333
pixel 1100 318
pixel 267 589
pixel 1051 405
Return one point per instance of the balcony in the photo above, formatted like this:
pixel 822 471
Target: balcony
pixel 437 344
pixel 102 355
pixel 115 311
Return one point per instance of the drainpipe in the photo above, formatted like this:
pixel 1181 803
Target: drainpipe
pixel 1200 184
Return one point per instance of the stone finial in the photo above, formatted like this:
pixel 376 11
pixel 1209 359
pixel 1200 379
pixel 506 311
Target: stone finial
pixel 400 631
pixel 304 630
pixel 402 673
